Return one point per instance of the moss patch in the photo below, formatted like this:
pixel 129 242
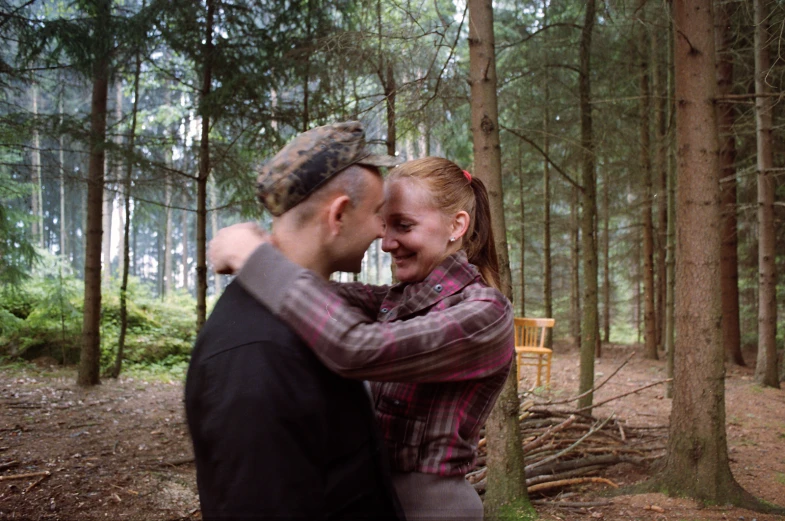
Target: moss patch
pixel 520 510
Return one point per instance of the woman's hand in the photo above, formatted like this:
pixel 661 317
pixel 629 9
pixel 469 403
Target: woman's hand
pixel 231 246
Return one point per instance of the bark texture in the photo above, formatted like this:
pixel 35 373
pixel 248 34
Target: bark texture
pixel 697 453
pixel 649 326
pixel 204 172
pixel 766 367
pixel 589 322
pixel 91 326
pixel 506 476
pixel 726 117
pixel 118 361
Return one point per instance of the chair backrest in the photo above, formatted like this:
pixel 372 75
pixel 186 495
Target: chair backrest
pixel 530 332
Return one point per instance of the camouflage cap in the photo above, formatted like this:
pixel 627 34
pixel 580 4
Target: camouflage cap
pixel 309 160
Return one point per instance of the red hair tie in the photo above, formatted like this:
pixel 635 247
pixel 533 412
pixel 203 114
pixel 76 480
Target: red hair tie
pixel 467 175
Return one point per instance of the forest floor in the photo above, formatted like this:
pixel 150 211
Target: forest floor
pixel 121 451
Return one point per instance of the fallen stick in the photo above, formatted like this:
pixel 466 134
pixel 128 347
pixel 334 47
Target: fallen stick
pixel 176 462
pixel 36 483
pixel 8 465
pixel 566 482
pixel 590 407
pixel 583 471
pixel 593 389
pixel 568 449
pixel 540 440
pixel 25 476
pixel 606 460
pixel 571 504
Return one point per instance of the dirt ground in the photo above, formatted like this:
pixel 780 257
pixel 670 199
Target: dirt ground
pixel 121 451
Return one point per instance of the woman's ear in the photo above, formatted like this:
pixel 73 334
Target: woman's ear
pixel 336 214
pixel 460 224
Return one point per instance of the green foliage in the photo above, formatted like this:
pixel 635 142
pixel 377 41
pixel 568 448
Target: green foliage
pixel 159 331
pixel 520 510
pixel 17 253
pixel 43 317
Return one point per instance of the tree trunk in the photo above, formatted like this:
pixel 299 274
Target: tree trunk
pixel 306 79
pixel 506 477
pixel 766 366
pixel 575 269
pixel 649 327
pixel 35 164
pixel 129 168
pixel 167 275
pixel 659 162
pixel 217 278
pixel 379 261
pixel 61 163
pixel 109 194
pixel 589 321
pixel 204 172
pixel 89 362
pixel 106 226
pixel 547 283
pixel 522 232
pixel 387 78
pixel 726 117
pixel 670 257
pixel 606 258
pixel 697 454
pixel 184 228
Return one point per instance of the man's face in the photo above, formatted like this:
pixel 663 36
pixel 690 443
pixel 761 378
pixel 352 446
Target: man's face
pixel 363 223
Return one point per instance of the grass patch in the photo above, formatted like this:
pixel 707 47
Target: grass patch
pixel 520 510
pixel 780 478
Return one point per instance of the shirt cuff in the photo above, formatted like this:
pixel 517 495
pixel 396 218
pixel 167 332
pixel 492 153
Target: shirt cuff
pixel 268 275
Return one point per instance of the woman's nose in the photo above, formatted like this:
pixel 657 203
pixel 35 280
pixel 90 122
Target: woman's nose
pixel 388 241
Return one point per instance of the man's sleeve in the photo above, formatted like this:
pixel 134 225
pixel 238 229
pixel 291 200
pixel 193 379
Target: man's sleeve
pixel 469 340
pixel 263 446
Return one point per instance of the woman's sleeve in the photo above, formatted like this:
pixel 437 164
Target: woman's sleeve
pixel 366 297
pixel 468 340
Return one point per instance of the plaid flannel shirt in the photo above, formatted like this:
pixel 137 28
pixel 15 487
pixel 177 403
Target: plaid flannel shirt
pixel 438 351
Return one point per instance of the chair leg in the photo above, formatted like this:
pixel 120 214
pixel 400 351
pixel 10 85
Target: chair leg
pixel 539 370
pixel 549 355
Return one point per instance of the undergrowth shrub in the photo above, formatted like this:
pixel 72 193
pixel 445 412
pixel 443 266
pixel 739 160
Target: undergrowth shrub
pixel 42 316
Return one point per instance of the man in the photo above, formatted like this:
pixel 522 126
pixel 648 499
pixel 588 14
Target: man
pixel 277 435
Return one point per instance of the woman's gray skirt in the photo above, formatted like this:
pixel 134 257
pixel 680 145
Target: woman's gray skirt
pixel 432 497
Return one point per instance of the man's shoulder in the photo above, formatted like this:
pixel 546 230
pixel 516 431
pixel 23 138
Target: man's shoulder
pixel 238 319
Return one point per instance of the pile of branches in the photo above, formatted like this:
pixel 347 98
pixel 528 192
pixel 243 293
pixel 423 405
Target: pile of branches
pixel 566 446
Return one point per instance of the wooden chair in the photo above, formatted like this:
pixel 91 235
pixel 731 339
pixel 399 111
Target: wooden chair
pixel 530 347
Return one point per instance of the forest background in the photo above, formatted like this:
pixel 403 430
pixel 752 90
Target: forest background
pixel 189 116
pixel 130 132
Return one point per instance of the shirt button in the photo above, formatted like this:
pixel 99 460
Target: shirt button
pixel 385 310
pixel 438 288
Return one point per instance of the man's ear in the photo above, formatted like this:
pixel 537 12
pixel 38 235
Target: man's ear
pixel 336 214
pixel 460 224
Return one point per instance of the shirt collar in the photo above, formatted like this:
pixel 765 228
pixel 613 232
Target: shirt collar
pixel 448 278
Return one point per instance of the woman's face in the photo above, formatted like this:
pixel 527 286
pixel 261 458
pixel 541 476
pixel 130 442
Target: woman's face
pixel 416 234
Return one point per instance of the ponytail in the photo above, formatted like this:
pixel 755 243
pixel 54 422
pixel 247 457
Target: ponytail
pixel 480 246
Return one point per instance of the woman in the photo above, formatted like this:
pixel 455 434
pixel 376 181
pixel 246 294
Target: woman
pixel 433 395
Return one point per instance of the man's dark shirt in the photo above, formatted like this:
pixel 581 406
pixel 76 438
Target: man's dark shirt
pixel 276 435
